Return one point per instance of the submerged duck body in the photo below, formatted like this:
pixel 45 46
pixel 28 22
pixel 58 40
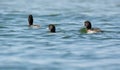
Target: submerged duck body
pixel 35 26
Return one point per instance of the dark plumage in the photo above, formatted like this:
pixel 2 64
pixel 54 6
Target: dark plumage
pixel 52 28
pixel 88 24
pixel 30 20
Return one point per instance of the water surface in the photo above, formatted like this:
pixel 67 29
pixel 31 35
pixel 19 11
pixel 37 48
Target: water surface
pixel 24 48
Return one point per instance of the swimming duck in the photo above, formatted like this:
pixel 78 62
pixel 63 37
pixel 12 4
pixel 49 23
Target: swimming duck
pixel 30 21
pixel 52 28
pixel 89 28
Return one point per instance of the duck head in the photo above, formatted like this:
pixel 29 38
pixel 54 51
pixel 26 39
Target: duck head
pixel 30 20
pixel 88 24
pixel 52 28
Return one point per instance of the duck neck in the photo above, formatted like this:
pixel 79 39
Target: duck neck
pixel 89 27
pixel 30 20
pixel 30 24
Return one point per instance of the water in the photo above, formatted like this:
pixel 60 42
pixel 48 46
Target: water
pixel 24 48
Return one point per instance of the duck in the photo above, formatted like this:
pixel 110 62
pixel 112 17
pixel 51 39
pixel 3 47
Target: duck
pixel 30 21
pixel 89 29
pixel 52 28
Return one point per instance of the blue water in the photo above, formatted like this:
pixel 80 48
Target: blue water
pixel 24 48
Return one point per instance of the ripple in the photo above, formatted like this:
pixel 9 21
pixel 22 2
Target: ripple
pixel 24 48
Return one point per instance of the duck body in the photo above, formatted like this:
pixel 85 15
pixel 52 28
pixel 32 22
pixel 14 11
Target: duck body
pixel 34 26
pixel 93 30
